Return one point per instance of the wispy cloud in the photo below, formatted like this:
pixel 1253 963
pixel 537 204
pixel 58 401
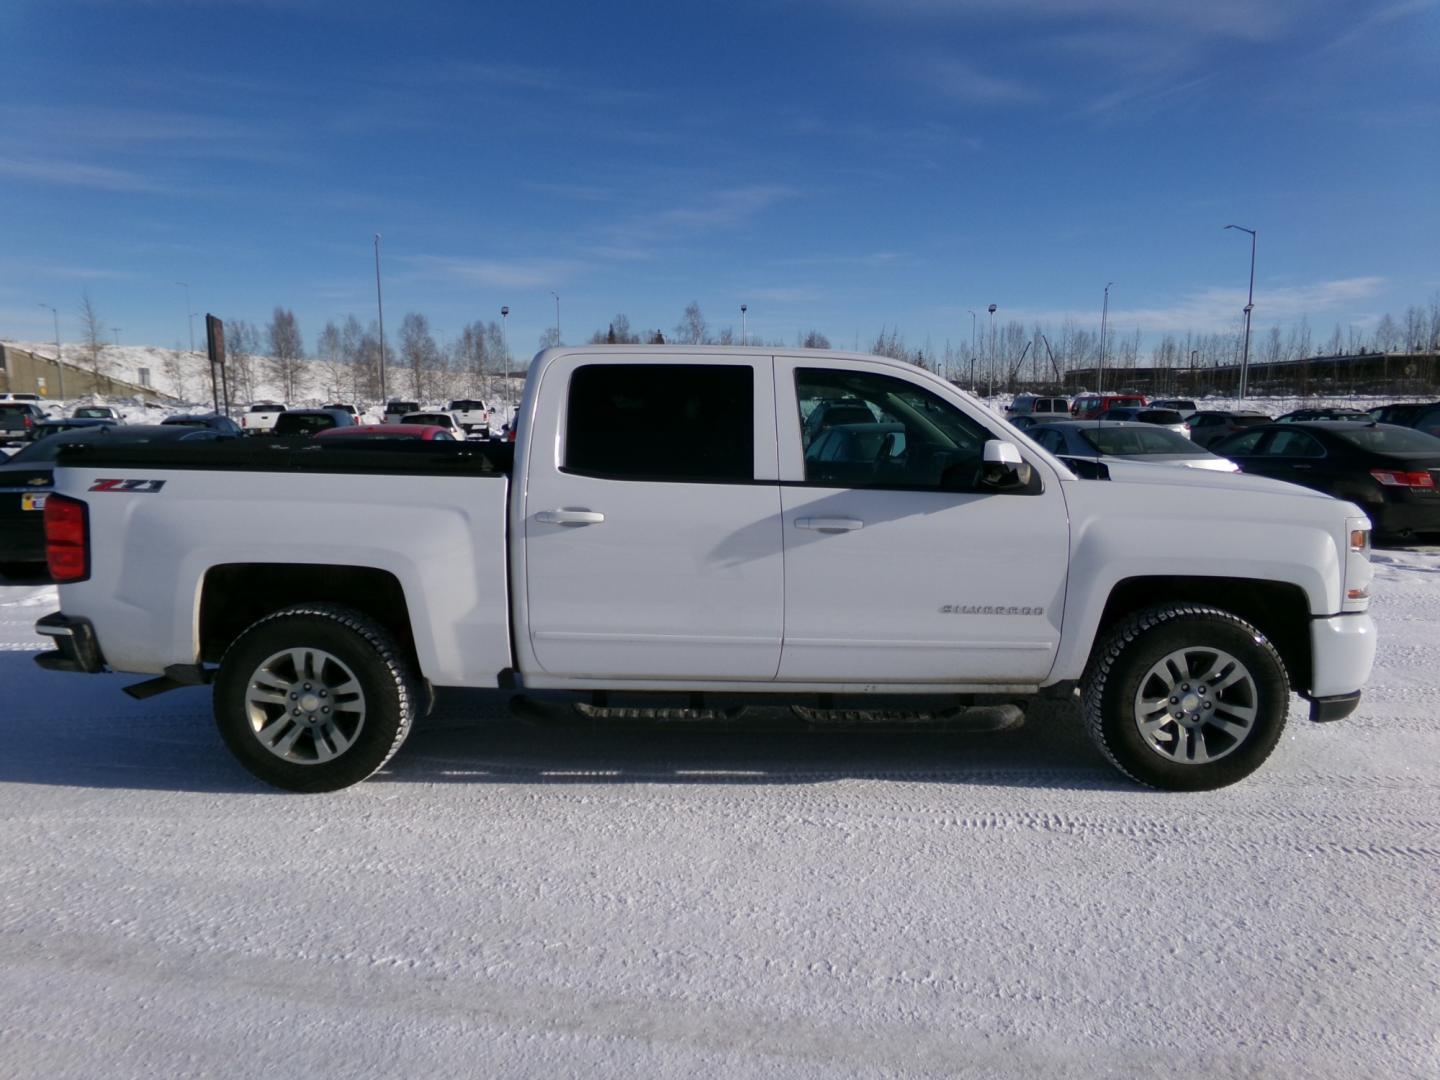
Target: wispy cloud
pixel 959 81
pixel 1237 19
pixel 1216 308
pixel 76 174
pixel 499 273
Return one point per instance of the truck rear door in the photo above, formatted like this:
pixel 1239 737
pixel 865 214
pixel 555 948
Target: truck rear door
pixel 651 518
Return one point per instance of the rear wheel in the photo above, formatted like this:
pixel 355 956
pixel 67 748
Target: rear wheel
pixel 1186 697
pixel 315 697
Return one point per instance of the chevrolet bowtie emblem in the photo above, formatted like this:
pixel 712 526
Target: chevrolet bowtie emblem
pixel 37 481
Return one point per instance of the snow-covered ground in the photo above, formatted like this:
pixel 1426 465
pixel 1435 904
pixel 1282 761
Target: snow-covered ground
pixel 513 900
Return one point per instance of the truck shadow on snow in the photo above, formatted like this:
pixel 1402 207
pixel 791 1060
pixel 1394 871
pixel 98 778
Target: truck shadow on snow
pixel 71 731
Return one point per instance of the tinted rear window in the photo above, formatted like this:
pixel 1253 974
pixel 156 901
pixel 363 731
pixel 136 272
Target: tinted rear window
pixel 1243 420
pixel 1391 440
pixel 301 424
pixel 1136 440
pixel 1161 416
pixel 674 422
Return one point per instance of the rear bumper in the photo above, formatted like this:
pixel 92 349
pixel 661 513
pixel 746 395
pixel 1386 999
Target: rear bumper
pixel 1342 652
pixel 76 647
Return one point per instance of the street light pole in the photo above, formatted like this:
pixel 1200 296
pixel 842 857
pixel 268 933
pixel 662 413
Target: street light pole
pixel 505 344
pixel 59 359
pixel 189 315
pixel 744 325
pixel 990 389
pixel 1104 313
pixel 1249 307
pixel 972 350
pixel 557 315
pixel 116 331
pixel 380 310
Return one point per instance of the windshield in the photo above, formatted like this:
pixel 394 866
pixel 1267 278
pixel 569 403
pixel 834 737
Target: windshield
pixel 1391 440
pixel 1139 440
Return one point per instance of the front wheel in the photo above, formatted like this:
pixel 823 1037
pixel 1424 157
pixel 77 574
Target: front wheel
pixel 315 697
pixel 1186 697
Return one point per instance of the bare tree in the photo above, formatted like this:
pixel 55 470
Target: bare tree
pixel 242 348
pixel 92 336
pixel 419 353
pixel 692 328
pixel 287 351
pixel 550 338
pixel 331 355
pixel 174 369
pixel 814 339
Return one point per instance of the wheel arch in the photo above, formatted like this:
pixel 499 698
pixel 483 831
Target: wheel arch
pixel 1279 610
pixel 234 596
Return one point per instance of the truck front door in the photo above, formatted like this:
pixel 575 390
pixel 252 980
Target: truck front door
pixel 900 567
pixel 652 537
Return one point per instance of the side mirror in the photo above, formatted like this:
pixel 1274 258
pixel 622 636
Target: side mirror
pixel 1004 469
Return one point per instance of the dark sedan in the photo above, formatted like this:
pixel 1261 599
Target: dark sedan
pixel 304 423
pixel 1214 424
pixel 1390 472
pixel 27 477
pixel 213 421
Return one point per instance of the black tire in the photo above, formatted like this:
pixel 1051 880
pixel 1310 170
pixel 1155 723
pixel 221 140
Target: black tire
pixel 390 697
pixel 1127 661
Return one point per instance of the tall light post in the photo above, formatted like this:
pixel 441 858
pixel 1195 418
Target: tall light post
pixel 116 331
pixel 744 325
pixel 505 344
pixel 1104 312
pixel 1249 307
pixel 990 388
pixel 557 315
pixel 189 315
pixel 59 359
pixel 380 311
pixel 972 350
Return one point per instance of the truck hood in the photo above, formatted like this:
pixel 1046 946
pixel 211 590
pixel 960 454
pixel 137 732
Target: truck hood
pixel 1136 472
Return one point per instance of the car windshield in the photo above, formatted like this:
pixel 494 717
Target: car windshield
pixel 1139 440
pixel 1391 440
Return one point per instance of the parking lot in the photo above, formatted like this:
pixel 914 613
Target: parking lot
pixel 521 898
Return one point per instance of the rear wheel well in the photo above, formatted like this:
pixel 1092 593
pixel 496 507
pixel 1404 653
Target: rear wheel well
pixel 236 595
pixel 1279 610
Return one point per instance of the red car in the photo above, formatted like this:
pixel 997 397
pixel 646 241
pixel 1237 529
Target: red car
pixel 1090 406
pixel 389 432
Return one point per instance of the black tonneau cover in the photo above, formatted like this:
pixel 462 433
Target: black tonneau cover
pixel 408 457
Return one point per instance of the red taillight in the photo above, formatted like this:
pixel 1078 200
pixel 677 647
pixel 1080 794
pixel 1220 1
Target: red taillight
pixel 1397 478
pixel 29 421
pixel 67 538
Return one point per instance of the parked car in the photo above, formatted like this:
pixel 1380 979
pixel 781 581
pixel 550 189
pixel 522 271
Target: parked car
pixel 1184 406
pixel 435 419
pixel 308 422
pixel 56 424
pixel 27 478
pixel 1390 472
pixel 1103 440
pixel 1170 419
pixel 472 416
pixel 389 433
pixel 351 409
pixel 259 419
pixel 1039 408
pixel 1423 416
pixel 1208 426
pixel 1089 406
pixel 98 412
pixel 36 398
pixel 18 420
pixel 213 421
pixel 395 410
pixel 829 413
pixel 1324 412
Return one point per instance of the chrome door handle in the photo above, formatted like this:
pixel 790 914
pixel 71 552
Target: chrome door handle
pixel 829 524
pixel 569 517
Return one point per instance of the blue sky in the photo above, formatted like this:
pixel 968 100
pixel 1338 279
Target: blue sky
pixel 837 164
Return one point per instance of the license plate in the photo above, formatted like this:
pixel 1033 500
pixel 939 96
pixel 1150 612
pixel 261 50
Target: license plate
pixel 32 502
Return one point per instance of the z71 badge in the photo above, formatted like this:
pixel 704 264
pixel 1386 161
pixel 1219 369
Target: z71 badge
pixel 138 487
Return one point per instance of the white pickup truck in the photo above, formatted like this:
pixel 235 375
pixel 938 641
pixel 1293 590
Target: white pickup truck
pixel 671 524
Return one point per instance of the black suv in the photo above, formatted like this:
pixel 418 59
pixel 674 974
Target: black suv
pixel 18 420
